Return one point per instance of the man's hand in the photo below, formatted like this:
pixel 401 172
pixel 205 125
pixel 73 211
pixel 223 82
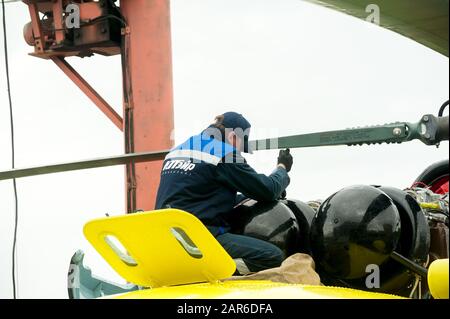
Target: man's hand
pixel 285 159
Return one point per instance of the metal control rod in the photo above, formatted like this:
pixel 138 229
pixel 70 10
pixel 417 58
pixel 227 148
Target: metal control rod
pixel 431 130
pixel 414 267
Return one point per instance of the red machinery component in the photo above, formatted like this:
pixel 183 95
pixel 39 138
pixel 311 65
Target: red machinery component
pixel 435 177
pixel 440 186
pixel 140 31
pixel 98 31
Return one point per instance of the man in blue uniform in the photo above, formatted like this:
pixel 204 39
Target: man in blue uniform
pixel 203 176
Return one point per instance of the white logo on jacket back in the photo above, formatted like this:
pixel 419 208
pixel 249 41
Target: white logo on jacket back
pixel 179 164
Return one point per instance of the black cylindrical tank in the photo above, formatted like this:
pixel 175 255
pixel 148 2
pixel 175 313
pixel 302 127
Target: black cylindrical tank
pixel 355 227
pixel 414 242
pixel 273 222
pixel 304 215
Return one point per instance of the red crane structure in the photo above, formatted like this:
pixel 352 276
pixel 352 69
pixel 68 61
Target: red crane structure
pixel 138 30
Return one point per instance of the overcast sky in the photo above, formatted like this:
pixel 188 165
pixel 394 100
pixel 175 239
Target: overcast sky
pixel 289 66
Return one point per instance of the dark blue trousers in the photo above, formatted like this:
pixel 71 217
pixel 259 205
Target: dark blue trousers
pixel 257 254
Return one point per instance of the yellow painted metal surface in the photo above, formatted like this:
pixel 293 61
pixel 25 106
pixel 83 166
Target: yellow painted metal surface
pixel 152 256
pixel 438 278
pixel 250 289
pixel 191 267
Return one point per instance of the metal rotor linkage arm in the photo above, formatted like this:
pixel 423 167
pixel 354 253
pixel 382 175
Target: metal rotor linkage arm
pixel 430 130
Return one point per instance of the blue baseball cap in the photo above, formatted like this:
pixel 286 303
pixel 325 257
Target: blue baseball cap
pixel 236 120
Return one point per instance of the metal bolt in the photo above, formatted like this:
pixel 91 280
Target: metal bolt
pixel 425 118
pixel 397 131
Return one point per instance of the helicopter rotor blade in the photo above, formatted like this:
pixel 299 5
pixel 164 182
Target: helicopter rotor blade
pixel 84 164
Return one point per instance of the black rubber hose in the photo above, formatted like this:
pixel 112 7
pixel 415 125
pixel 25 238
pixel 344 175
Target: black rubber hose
pixel 442 108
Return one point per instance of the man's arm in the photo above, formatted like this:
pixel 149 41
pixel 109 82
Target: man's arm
pixel 241 177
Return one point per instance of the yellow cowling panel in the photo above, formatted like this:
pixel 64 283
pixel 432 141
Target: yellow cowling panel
pixel 438 278
pixel 187 267
pixel 152 256
pixel 250 289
